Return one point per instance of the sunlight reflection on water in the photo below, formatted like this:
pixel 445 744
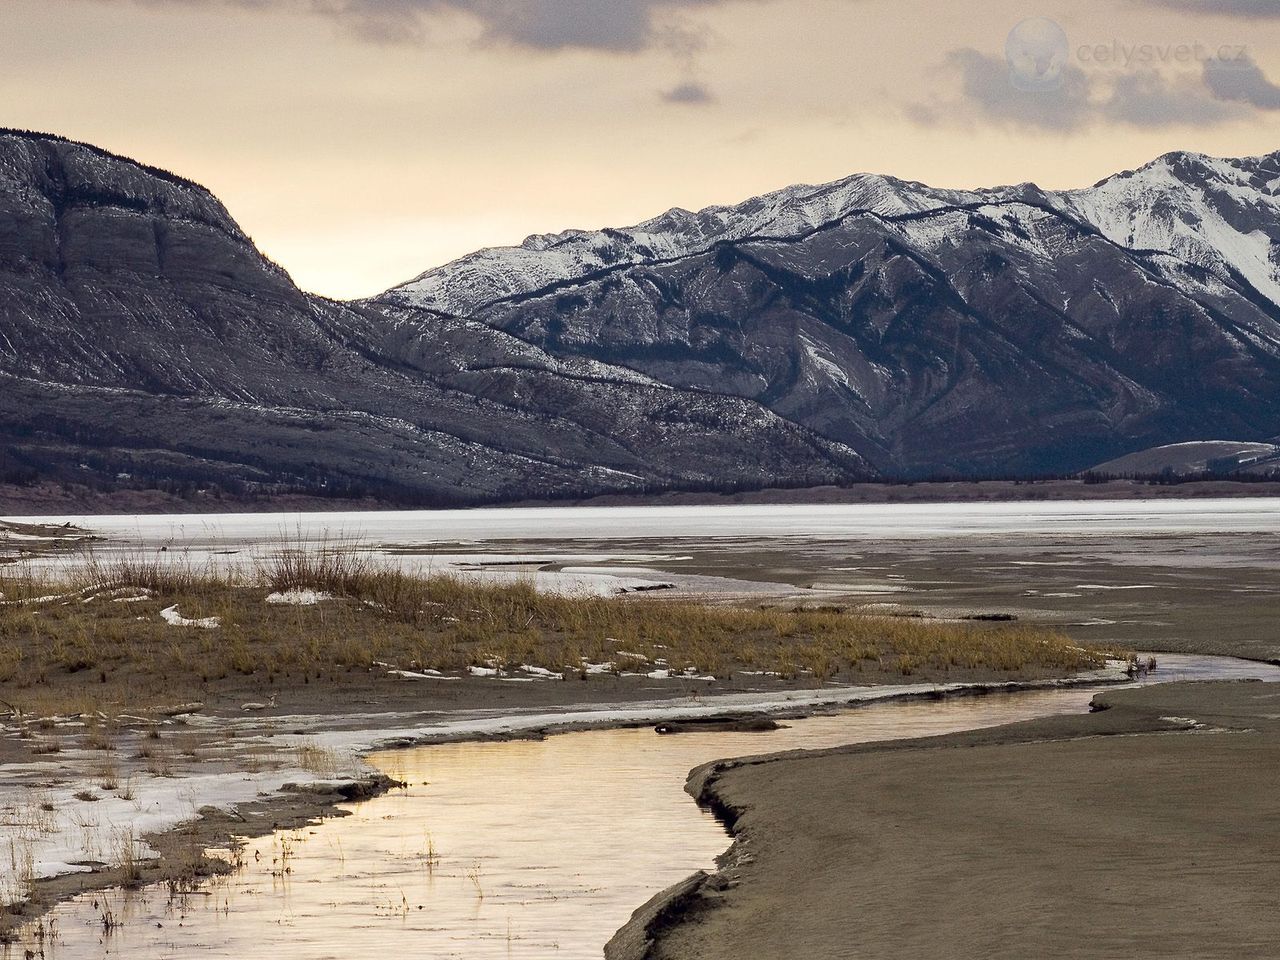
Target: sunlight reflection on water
pixel 544 848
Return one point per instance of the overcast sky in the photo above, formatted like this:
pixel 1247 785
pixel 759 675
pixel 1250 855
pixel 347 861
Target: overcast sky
pixel 361 142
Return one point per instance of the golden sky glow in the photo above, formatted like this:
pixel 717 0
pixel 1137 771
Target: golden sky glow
pixel 358 161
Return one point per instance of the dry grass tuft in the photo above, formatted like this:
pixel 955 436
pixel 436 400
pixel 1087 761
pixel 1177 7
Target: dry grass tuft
pixel 338 567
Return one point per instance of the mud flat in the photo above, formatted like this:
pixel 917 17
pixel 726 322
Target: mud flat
pixel 1143 829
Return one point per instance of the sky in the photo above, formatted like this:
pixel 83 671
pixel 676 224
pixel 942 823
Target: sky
pixel 362 142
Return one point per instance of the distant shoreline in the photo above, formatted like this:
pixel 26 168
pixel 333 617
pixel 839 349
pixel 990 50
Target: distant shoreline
pixel 56 500
pixel 949 491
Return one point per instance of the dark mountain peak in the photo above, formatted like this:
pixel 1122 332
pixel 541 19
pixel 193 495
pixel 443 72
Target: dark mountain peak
pixel 67 174
pixel 143 336
pixel 36 136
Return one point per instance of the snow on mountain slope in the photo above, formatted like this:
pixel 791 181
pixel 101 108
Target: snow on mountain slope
pixel 1195 457
pixel 1223 215
pixel 499 273
pixel 812 335
pixel 999 330
pixel 142 335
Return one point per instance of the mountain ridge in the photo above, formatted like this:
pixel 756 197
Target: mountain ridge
pixel 417 292
pixel 135 283
pixel 1233 303
pixel 898 330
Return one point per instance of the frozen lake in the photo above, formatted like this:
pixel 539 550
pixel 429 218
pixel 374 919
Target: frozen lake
pixel 826 521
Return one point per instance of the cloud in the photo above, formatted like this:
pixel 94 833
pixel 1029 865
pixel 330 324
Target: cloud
pixel 392 22
pixel 1241 81
pixel 1147 98
pixel 1249 9
pixel 1150 99
pixel 620 25
pixel 608 25
pixel 691 93
pixel 985 88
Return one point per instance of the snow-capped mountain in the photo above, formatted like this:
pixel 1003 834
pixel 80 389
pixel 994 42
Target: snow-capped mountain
pixel 1202 209
pixel 816 334
pixel 1223 215
pixel 499 273
pixel 1007 329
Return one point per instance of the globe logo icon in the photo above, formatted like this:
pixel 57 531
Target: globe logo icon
pixel 1037 53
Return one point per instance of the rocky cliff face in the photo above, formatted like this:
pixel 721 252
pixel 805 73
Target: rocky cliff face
pixel 142 334
pixel 120 276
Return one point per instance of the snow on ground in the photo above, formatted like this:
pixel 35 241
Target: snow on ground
pixel 436 542
pixel 31 601
pixel 171 616
pixel 420 675
pixel 121 595
pixel 90 594
pixel 571 582
pixel 542 672
pixel 298 598
pixel 1116 586
pixel 626 665
pixel 482 723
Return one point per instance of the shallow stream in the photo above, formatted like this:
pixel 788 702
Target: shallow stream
pixel 519 849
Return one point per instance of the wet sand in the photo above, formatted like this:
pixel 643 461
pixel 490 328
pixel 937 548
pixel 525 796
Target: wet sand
pixel 1145 830
pixel 1177 593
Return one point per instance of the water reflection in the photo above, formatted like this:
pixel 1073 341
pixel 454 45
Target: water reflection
pixel 498 850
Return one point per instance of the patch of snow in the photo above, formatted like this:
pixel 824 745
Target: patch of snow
pixel 121 595
pixel 420 675
pixel 171 616
pixel 822 362
pixel 1179 204
pixel 1115 586
pixel 664 674
pixel 1185 722
pixel 33 601
pixel 542 672
pixel 298 598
